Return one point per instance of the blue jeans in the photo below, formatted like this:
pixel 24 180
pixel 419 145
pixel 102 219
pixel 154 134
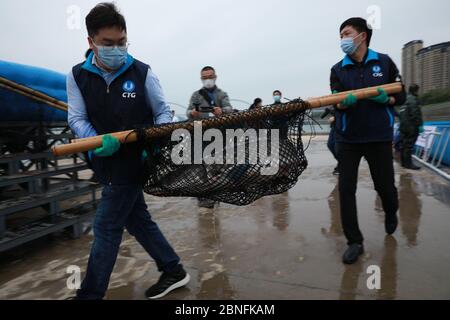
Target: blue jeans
pixel 122 207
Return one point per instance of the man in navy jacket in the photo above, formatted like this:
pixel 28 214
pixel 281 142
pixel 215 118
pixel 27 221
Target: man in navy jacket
pixel 364 128
pixel 111 91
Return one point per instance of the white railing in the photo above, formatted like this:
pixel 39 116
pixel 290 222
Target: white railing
pixel 432 147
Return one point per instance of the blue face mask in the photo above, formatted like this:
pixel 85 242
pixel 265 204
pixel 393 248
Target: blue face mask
pixel 277 98
pixel 112 57
pixel 348 45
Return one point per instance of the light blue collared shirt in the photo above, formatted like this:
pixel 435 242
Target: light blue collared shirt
pixel 77 114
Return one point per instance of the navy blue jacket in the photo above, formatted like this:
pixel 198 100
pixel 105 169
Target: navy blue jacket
pixel 117 107
pixel 367 121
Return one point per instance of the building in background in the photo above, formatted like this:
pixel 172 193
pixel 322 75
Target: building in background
pixel 409 62
pixel 428 67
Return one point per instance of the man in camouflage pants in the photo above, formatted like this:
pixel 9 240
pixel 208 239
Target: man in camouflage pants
pixel 411 125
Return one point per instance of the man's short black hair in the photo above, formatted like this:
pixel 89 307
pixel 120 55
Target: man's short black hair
pixel 104 15
pixel 360 25
pixel 257 100
pixel 207 68
pixel 277 91
pixel 88 52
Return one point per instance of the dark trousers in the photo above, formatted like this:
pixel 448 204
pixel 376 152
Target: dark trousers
pixel 409 139
pixel 332 142
pixel 122 207
pixel 380 159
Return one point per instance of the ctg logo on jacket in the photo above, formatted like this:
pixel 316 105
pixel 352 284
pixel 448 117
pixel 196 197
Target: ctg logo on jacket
pixel 377 72
pixel 128 88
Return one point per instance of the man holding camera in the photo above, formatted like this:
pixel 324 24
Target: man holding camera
pixel 209 101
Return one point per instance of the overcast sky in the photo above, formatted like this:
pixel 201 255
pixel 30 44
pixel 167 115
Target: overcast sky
pixel 256 46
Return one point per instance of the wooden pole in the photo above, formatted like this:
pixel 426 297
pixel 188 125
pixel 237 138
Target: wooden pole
pixel 82 145
pixel 33 94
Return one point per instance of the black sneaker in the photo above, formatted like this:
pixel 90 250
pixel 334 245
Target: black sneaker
pixel 407 163
pixel 390 223
pixel 352 253
pixel 167 283
pixel 412 167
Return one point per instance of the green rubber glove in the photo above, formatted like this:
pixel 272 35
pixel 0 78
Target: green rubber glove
pixel 421 130
pixel 382 98
pixel 145 154
pixel 110 145
pixel 349 101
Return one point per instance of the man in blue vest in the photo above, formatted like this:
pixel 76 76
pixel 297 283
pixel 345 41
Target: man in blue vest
pixel 364 128
pixel 111 91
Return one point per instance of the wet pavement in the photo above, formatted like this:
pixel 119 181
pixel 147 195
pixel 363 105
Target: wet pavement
pixel 281 247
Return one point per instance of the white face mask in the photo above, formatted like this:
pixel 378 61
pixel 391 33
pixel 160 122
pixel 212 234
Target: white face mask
pixel 209 83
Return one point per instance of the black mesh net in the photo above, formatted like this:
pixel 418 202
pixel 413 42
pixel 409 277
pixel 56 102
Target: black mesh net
pixel 263 171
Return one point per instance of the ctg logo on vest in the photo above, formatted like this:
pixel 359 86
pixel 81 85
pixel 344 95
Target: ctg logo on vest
pixel 128 88
pixel 377 72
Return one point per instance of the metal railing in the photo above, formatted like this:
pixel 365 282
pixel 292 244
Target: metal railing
pixel 433 151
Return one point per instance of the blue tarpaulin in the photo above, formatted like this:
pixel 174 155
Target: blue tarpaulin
pixel 15 107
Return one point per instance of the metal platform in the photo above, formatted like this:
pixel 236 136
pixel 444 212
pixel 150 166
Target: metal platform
pixel 41 194
pixel 73 218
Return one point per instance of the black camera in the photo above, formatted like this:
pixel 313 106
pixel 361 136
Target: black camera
pixel 325 113
pixel 203 109
pixel 206 109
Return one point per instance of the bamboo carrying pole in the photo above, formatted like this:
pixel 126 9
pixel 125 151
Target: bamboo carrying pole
pixel 32 94
pixel 86 144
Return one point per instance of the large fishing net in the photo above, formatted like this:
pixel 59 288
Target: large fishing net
pixel 227 164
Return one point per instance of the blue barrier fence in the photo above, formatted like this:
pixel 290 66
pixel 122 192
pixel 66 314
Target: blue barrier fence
pixel 432 148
